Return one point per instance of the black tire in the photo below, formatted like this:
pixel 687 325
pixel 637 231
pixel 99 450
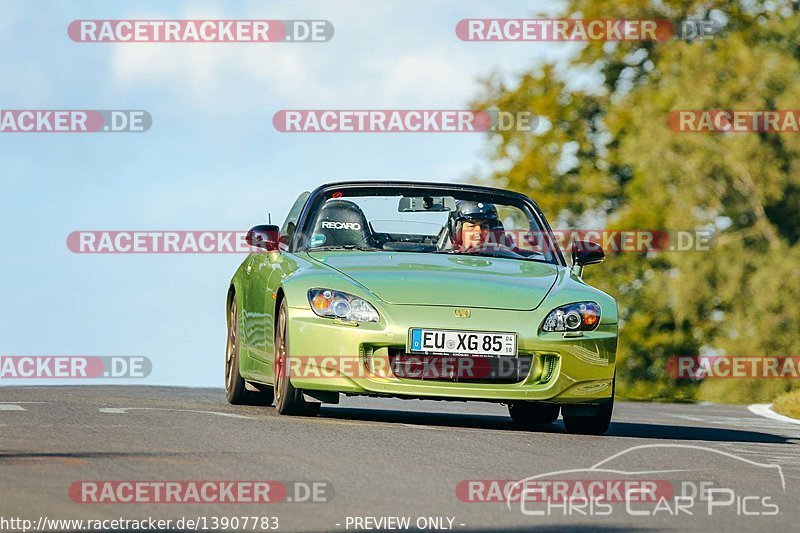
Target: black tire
pixel 596 424
pixel 235 386
pixel 531 414
pixel 288 400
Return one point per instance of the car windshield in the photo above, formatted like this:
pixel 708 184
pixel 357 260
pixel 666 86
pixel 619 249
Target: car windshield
pixel 409 219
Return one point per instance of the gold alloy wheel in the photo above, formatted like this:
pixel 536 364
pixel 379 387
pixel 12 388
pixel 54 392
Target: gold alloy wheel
pixel 280 355
pixel 230 351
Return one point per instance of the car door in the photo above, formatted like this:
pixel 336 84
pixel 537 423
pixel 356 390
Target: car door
pixel 245 336
pixel 251 320
pixel 259 296
pixel 264 273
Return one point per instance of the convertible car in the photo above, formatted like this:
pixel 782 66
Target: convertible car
pixel 421 290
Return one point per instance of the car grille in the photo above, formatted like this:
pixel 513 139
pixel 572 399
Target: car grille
pixel 460 368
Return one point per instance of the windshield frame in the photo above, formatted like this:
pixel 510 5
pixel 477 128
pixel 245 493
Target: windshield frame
pixel 390 188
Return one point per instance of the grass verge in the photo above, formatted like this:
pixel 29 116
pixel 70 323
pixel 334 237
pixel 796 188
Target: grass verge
pixel 788 404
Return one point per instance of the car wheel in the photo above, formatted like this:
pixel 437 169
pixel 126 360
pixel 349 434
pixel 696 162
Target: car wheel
pixel 235 386
pixel 596 424
pixel 528 414
pixel 288 400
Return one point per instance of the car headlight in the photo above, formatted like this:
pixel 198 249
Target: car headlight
pixel 334 304
pixel 582 316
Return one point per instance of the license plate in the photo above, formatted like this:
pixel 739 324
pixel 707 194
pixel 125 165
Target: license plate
pixel 438 341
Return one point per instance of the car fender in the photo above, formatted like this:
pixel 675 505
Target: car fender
pixel 309 274
pixel 237 285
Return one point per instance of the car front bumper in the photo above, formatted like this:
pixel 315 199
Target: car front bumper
pixel 327 355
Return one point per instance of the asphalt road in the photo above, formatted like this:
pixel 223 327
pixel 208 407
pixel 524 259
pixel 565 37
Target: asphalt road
pixel 390 458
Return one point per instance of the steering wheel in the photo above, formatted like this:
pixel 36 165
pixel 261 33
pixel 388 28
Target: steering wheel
pixel 500 250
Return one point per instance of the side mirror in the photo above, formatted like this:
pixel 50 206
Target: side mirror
pixel 586 253
pixel 263 236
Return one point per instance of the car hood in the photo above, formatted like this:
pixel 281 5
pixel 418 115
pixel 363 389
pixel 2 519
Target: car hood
pixel 444 279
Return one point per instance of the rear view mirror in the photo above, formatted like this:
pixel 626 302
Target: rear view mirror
pixel 263 236
pixel 419 204
pixel 587 253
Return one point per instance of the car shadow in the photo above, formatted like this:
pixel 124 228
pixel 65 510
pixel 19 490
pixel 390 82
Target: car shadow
pixel 701 433
pixel 618 429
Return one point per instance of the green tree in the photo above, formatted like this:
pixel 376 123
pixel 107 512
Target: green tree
pixel 604 154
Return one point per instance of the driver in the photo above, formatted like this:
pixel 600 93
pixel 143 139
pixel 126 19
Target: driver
pixel 472 223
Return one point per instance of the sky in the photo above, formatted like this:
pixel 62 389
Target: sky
pixel 212 159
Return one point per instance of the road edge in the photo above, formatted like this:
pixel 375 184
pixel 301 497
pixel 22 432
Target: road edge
pixel 765 410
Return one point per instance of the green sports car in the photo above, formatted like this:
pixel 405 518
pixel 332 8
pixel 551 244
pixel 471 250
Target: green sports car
pixel 421 290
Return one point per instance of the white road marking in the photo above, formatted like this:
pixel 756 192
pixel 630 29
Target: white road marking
pixel 757 422
pixel 124 410
pixel 11 407
pixel 765 410
pixel 687 417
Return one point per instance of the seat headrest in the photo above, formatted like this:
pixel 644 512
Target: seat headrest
pixel 341 223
